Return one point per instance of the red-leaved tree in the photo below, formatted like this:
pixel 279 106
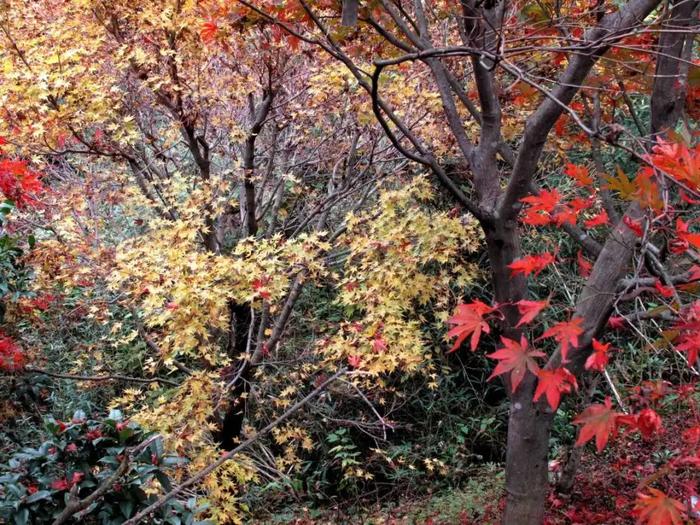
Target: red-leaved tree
pixel 518 82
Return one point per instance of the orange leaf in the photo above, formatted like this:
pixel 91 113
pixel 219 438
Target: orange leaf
pixel 469 319
pixel 656 508
pixel 554 383
pixel 579 174
pixel 208 32
pixel 515 358
pixel 621 184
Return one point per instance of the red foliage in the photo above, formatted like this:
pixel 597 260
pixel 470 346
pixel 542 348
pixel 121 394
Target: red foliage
pixel 515 358
pixel 649 423
pixel 656 508
pixel 208 32
pixel 599 422
pixel 469 320
pixel 579 174
pixel 566 334
pixel 18 183
pixel 531 263
pixel 554 383
pixel 599 358
pixel 12 358
pixel 529 310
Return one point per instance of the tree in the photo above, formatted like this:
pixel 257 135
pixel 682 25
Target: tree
pixel 512 78
pixel 209 160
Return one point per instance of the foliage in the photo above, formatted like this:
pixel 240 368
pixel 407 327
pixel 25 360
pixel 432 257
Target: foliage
pixel 81 455
pixel 209 207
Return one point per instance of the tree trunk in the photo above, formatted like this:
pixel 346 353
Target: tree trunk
pixel 527 457
pixel 528 423
pixel 671 75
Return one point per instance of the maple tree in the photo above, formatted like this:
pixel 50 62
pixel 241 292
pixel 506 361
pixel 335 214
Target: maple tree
pixel 210 164
pixel 480 53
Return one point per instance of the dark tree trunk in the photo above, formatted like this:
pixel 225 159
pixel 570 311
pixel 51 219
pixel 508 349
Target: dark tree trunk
pixel 232 423
pixel 671 75
pixel 528 423
pixel 527 457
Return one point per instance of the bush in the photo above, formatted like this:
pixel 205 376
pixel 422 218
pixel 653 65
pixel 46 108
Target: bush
pixel 79 456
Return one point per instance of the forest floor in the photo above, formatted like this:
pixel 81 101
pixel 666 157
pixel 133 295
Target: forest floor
pixel 604 492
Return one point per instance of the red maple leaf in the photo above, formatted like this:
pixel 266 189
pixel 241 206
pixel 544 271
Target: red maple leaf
pixel 665 291
pixel 682 230
pixel 601 219
pixel 599 421
pixel 616 322
pixel 354 360
pixel 541 207
pixel 656 508
pixel 578 173
pixel 531 263
pixel 60 484
pixel 515 358
pixel 566 334
pixel 18 183
pixel 565 215
pixel 554 383
pixel 689 342
pixel 12 358
pixel 259 285
pixel 678 161
pixel 649 423
pixel 688 339
pixel 535 218
pixel 379 344
pixel 545 200
pixel 584 265
pixel 579 204
pixel 529 310
pixel 469 319
pixel 208 32
pixel 598 360
pixel 633 225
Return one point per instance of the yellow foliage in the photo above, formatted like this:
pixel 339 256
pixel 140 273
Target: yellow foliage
pixel 401 256
pixel 185 418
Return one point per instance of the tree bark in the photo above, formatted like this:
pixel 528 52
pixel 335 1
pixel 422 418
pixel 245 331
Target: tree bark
pixel 527 457
pixel 671 75
pixel 528 422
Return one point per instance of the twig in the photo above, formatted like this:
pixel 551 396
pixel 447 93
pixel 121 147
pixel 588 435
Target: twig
pixel 114 377
pixel 225 457
pixel 75 506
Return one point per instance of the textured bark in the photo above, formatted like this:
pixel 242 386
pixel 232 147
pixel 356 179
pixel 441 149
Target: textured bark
pixel 528 423
pixel 670 77
pixel 527 457
pixel 349 13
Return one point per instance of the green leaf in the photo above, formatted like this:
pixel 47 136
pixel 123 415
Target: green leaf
pixel 38 496
pixel 127 508
pixel 21 517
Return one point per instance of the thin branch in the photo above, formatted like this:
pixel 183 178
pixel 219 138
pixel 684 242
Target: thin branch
pixel 199 476
pixel 113 377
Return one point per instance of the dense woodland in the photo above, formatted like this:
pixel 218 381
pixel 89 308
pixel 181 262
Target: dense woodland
pixel 349 261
